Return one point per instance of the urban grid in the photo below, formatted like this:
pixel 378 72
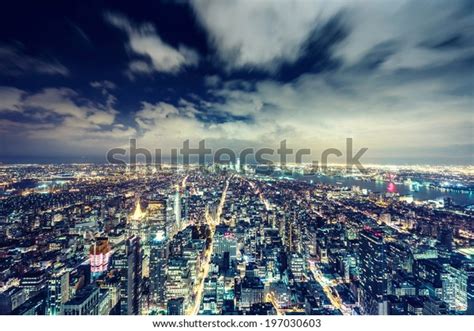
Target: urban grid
pixel 235 239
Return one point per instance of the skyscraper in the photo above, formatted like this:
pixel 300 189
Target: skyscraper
pixel 237 164
pixel 129 264
pixel 225 242
pixel 158 266
pixel 177 208
pixel 156 211
pixel 373 272
pixel 178 280
pixel 99 255
pixel 58 291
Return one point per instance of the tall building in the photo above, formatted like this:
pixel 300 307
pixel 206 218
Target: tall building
pixel 298 267
pixel 457 284
pixel 252 291
pixel 99 254
pixel 209 304
pixel 156 212
pixel 158 266
pixel 138 215
pixel 470 289
pixel 373 272
pixel 225 241
pixel 129 263
pixel 177 208
pixel 58 292
pixel 237 164
pixel 178 280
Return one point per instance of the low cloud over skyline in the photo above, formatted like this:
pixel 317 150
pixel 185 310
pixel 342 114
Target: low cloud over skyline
pixel 396 76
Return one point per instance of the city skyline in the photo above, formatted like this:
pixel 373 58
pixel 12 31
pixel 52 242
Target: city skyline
pixel 396 77
pixel 233 239
pixel 237 164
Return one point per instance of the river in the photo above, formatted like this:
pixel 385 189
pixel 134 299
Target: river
pixel 423 193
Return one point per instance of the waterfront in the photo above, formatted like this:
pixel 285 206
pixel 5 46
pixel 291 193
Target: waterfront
pixel 423 193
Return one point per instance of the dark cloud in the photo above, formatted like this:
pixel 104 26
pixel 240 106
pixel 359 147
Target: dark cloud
pixel 396 76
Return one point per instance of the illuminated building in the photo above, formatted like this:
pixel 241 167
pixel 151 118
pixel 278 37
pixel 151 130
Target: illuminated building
pixel 90 300
pixel 99 254
pixel 177 208
pixel 158 266
pixel 458 287
pixel 156 211
pixel 139 226
pixel 237 164
pixel 373 272
pixel 391 187
pixel 469 270
pixel 128 262
pixel 252 291
pixel 191 257
pixel 58 292
pixel 298 267
pixel 225 242
pixel 406 198
pixel 138 215
pixel 33 306
pixel 322 250
pixel 178 280
pixel 281 294
pixel 209 300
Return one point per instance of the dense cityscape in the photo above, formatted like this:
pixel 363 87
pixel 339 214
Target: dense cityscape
pixel 243 164
pixel 236 239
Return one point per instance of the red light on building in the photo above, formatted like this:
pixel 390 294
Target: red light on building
pixel 99 254
pixel 391 187
pixel 229 235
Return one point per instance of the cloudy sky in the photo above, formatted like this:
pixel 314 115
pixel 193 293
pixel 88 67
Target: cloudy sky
pixel 80 77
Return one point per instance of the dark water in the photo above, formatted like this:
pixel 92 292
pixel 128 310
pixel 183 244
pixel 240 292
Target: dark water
pixel 422 194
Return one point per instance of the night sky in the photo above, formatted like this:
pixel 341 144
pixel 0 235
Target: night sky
pixel 80 77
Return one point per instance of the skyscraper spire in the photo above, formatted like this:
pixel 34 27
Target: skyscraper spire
pixel 138 214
